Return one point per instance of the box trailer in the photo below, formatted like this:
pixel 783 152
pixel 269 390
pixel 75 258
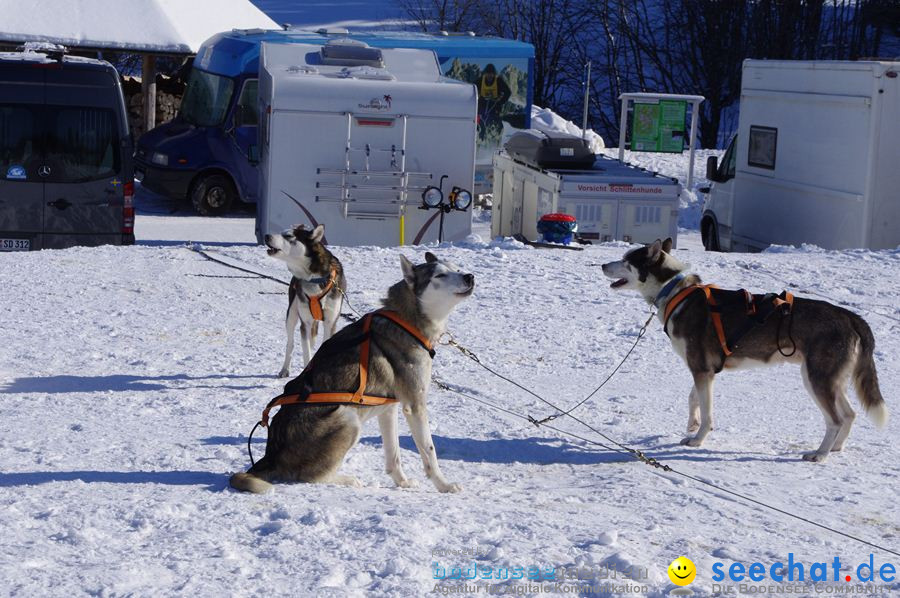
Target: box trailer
pixel 610 200
pixel 352 136
pixel 814 160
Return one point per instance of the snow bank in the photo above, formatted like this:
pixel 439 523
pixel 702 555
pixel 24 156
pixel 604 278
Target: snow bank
pixel 545 119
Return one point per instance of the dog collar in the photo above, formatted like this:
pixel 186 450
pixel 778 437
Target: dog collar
pixel 668 288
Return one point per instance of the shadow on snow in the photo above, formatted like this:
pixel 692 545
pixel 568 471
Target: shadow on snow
pixel 118 382
pixel 212 481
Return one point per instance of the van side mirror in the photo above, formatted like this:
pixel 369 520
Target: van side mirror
pixel 253 154
pixel 712 169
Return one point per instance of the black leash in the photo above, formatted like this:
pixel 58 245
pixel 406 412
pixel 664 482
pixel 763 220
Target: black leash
pixel 249 440
pixel 790 327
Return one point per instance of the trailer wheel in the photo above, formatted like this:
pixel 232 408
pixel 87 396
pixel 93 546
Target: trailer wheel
pixel 709 233
pixel 213 195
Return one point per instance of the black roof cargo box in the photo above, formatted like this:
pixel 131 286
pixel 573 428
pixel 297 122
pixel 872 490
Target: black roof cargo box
pixel 550 150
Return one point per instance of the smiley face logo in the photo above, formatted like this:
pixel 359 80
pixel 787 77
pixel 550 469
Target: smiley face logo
pixel 682 571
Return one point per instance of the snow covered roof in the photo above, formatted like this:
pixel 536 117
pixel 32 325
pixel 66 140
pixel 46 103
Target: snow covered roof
pixel 166 26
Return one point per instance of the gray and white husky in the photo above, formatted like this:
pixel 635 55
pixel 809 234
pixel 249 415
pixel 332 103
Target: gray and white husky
pixel 308 442
pixel 832 344
pixel 312 267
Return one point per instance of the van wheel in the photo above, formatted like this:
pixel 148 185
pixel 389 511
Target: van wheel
pixel 709 233
pixel 213 195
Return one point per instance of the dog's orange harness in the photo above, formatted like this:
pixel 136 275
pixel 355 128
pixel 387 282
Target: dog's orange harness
pixel 358 397
pixel 784 302
pixel 315 301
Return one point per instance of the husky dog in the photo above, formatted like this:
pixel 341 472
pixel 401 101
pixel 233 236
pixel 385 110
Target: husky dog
pixel 317 277
pixel 832 345
pixel 308 442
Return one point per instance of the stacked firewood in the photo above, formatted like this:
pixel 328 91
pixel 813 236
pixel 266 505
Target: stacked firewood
pixel 168 101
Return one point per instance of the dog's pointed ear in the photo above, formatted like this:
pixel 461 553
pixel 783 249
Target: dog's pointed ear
pixel 667 245
pixel 430 258
pixel 408 274
pixel 653 250
pixel 317 233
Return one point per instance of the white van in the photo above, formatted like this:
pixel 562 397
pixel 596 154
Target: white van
pixel 815 159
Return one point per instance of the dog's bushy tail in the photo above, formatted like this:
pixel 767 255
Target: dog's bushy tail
pixel 865 377
pixel 255 480
pixel 250 482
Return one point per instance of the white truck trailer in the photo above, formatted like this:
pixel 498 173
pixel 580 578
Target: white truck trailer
pixel 351 137
pixel 816 159
pixel 609 199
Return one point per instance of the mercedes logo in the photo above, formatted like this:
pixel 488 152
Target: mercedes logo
pixel 44 170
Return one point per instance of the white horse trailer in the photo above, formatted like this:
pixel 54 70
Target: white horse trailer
pixel 352 136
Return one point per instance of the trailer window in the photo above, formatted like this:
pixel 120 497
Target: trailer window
pixel 763 143
pixel 206 98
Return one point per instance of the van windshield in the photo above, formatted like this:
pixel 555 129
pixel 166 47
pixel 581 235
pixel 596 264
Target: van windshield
pixel 206 98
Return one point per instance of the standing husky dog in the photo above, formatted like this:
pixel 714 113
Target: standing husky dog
pixel 830 343
pixel 308 441
pixel 317 288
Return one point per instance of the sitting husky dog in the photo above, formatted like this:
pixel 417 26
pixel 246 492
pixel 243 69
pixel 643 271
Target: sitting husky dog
pixel 831 344
pixel 307 441
pixel 316 293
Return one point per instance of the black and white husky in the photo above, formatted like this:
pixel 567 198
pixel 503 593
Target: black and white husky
pixel 308 442
pixel 318 277
pixel 832 344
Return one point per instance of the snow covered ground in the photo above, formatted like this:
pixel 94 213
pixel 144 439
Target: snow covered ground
pixel 131 376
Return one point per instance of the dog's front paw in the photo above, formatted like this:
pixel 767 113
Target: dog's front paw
pixel 284 373
pixel 815 457
pixel 692 441
pixel 407 483
pixel 450 487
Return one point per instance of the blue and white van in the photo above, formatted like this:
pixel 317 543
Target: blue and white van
pixel 208 154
